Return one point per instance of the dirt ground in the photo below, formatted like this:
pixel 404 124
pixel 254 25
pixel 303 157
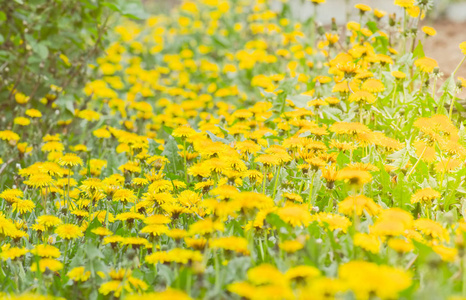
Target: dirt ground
pixel 444 47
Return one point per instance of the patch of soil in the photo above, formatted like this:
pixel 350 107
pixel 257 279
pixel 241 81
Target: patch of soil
pixel 444 47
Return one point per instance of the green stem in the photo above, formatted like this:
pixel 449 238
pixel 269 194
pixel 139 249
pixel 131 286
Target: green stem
pixel 451 107
pixel 262 249
pixel 311 187
pixel 217 272
pixel 360 112
pixel 394 94
pixel 277 174
pixel 458 66
pixel 415 165
pixel 464 275
pixel 433 87
pixel 404 37
pixel 265 180
pixel 65 254
pixel 185 163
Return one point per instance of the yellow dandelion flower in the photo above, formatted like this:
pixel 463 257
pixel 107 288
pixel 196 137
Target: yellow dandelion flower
pixel 70 160
pixel 69 231
pixel 426 64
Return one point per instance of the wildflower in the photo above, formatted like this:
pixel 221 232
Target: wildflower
pixel 425 196
pixel 373 86
pixel 20 98
pixel 398 74
pixel 295 215
pixel 463 48
pixel 47 263
pixel 39 180
pixel 69 231
pixel 48 221
pixel 167 294
pixel 291 246
pixel 404 3
pixel 426 64
pixel 354 177
pixel 13 253
pixel 265 274
pixel 70 160
pixel 401 245
pixel 357 205
pixel 8 135
pixel 22 121
pixel 125 196
pixel 79 274
pixel 231 243
pixel 183 132
pixel 44 250
pixel 368 242
pixel 154 230
pixel 129 216
pixel 11 195
pixel 363 97
pixel 446 253
pixel 333 221
pixel 432 229
pixel 349 128
pixel 23 206
pixel 363 8
pixel 382 281
pixel 429 31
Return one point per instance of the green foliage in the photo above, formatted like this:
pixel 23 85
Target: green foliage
pixel 51 42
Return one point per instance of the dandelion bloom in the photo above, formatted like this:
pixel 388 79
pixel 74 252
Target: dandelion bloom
pixel 382 281
pixel 79 274
pixel 363 7
pixel 231 243
pixel 70 160
pixel 368 242
pixel 295 215
pixel 44 250
pixel 425 196
pixel 358 205
pixel 13 253
pixel 426 64
pixel 463 48
pixel 69 231
pixel 398 74
pixel 47 263
pixel 429 30
pixel 404 3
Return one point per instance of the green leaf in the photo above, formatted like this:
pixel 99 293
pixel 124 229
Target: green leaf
pixel 42 50
pixel 419 50
pixel 112 6
pixel 167 273
pixel 267 94
pixel 134 11
pixel 215 138
pixel 92 252
pixel 300 100
pixel 170 151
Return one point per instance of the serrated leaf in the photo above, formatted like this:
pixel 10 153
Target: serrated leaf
pixel 300 100
pixel 215 138
pixel 419 50
pixel 42 50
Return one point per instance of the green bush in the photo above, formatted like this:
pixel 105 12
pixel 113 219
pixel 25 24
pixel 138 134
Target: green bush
pixel 46 45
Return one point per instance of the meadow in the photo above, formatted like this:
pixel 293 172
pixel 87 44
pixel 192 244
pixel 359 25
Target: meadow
pixel 227 151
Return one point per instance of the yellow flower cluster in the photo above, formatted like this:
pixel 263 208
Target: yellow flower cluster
pixel 227 150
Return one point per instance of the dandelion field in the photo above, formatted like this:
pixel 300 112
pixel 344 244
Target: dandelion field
pixel 228 151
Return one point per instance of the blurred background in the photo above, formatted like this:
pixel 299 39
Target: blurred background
pixel 448 17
